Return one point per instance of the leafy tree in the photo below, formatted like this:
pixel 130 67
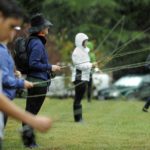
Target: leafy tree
pixel 32 6
pixel 97 18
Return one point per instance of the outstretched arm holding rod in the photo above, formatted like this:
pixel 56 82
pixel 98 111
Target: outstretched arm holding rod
pixel 40 123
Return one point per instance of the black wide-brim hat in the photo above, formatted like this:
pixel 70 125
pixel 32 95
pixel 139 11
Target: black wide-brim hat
pixel 38 23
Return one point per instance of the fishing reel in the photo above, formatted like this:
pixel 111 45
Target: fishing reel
pixel 52 74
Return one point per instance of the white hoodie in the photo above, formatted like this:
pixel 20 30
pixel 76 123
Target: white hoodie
pixel 81 59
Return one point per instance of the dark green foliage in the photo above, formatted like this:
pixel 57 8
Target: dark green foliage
pixel 32 6
pixel 97 18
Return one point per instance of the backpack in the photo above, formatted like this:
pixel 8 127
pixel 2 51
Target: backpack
pixel 22 53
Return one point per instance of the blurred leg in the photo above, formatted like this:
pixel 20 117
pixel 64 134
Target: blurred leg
pixel 33 106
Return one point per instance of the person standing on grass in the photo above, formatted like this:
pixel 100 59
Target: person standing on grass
pixel 147 104
pixel 81 72
pixel 39 70
pixel 92 60
pixel 10 15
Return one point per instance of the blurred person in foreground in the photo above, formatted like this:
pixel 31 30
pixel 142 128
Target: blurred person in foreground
pixel 9 20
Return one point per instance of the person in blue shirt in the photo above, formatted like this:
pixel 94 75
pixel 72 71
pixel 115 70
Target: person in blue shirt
pixel 10 82
pixel 10 17
pixel 39 70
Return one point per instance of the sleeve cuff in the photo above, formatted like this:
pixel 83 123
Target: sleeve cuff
pixel 90 65
pixel 50 67
pixel 20 84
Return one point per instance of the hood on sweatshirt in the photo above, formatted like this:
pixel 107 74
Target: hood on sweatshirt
pixel 79 39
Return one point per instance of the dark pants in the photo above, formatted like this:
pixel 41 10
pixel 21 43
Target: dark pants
pixel 80 88
pixel 147 104
pixel 33 105
pixel 89 89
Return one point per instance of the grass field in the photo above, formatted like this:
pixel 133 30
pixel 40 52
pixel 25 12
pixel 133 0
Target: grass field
pixel 108 125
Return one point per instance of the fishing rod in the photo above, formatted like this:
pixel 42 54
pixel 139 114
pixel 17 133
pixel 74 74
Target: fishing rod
pixel 123 54
pixel 113 69
pixel 114 27
pixel 105 38
pixel 140 64
pixel 115 56
pixel 133 52
pixel 118 49
pixel 124 45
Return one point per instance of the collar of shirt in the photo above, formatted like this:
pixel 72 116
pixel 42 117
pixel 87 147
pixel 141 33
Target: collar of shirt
pixel 3 45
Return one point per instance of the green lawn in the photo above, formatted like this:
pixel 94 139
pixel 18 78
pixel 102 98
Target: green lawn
pixel 109 125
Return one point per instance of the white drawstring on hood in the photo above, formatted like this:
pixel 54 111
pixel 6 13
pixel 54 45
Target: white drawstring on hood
pixel 79 39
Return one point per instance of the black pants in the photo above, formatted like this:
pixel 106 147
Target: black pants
pixel 147 104
pixel 33 105
pixel 80 88
pixel 89 89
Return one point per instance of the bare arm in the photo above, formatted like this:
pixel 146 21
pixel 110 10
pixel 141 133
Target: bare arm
pixel 38 122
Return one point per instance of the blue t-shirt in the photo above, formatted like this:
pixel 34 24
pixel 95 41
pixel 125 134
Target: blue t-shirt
pixel 1 115
pixel 9 82
pixel 0 81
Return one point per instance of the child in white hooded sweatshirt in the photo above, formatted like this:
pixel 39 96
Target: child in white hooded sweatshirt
pixel 81 72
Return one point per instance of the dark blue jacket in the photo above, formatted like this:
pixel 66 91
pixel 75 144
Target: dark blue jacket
pixel 39 66
pixel 9 82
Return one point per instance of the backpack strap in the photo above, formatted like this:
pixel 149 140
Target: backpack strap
pixel 27 48
pixel 28 41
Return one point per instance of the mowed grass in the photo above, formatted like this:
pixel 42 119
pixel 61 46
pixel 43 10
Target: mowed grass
pixel 108 125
